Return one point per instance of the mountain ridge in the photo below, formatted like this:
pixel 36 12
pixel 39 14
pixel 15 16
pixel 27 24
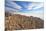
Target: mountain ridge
pixel 18 22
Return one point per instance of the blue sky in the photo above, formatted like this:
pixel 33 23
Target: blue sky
pixel 26 7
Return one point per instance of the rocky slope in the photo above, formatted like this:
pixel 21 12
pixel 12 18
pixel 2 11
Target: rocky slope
pixel 18 22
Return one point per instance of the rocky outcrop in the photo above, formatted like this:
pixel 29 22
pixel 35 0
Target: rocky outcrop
pixel 18 22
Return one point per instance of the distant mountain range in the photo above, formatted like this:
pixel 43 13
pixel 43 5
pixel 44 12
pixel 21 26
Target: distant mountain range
pixel 21 22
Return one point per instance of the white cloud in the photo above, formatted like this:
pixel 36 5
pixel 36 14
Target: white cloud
pixel 34 5
pixel 17 6
pixel 13 5
pixel 29 7
pixel 38 5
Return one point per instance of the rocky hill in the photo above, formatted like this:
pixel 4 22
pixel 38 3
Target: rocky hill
pixel 18 22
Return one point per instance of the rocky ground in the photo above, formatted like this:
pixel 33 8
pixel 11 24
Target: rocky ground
pixel 21 22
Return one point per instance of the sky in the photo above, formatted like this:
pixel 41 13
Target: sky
pixel 28 0
pixel 25 8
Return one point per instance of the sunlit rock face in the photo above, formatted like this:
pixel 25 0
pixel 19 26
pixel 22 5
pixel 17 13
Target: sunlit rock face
pixel 21 22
